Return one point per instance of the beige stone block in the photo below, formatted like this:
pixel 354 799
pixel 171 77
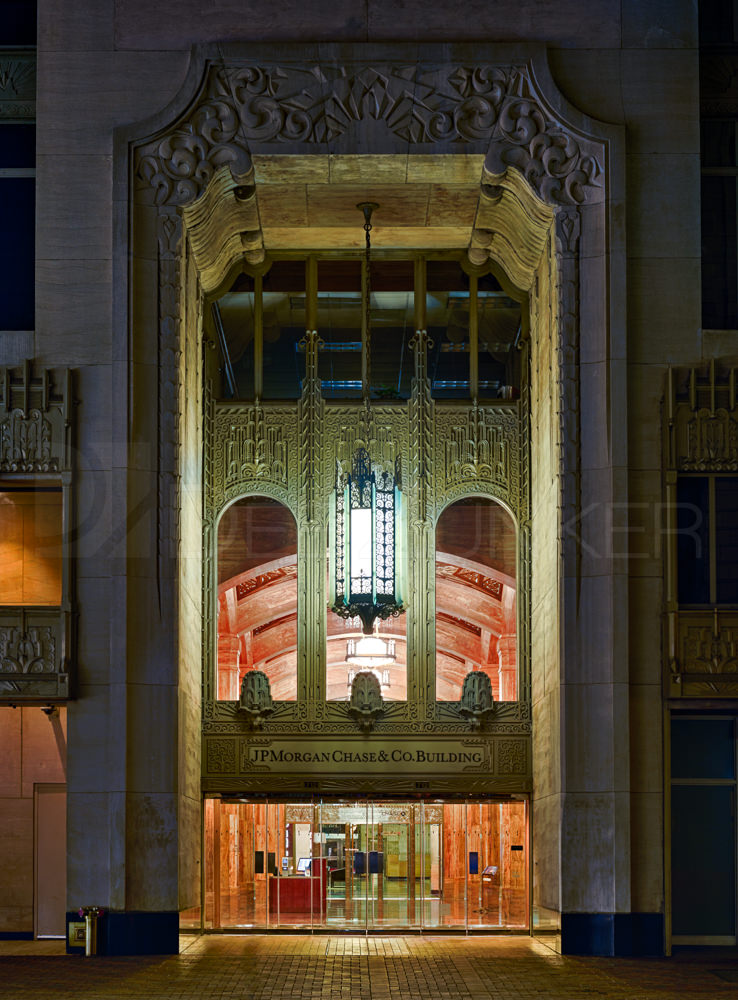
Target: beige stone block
pixel 663 205
pixel 91 769
pixel 546 745
pixel 664 311
pixel 95 851
pixel 94 632
pixel 646 386
pixel 44 742
pixel 189 825
pixel 95 536
pixel 647 858
pixel 94 437
pixel 660 94
pixel 645 538
pixel 10 753
pixel 152 756
pixel 295 169
pixel 282 205
pixel 77 26
pixel 16 850
pixel 588 737
pixel 352 238
pixel 658 24
pixel 645 630
pixel 399 205
pixel 646 738
pixel 452 205
pixel 73 311
pixel 368 169
pixel 588 852
pixel 458 168
pixel 151 852
pixel 590 79
pixel 81 101
pixel 591 628
pixel 74 219
pixel 567 23
pixel 546 842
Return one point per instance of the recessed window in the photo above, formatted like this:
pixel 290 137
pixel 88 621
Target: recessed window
pixel 476 598
pixel 257 597
pixel 707 542
pixel 30 546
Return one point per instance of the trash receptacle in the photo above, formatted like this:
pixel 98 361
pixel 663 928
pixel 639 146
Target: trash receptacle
pixel 91 914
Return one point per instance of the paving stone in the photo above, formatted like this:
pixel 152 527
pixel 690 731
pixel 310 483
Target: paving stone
pixel 318 967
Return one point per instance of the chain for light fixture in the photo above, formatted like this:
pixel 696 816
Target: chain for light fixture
pixel 367 207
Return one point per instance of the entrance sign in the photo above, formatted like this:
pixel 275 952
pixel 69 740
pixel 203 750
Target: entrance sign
pixel 330 756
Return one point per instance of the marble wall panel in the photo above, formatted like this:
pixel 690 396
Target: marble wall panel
pixel 664 315
pixel 587 853
pixel 93 716
pixel 171 24
pixel 98 96
pixel 74 221
pixel 152 754
pixel 79 333
pixel 646 738
pixel 92 858
pixel 546 841
pixel 77 26
pixel 94 607
pixel 94 438
pixel 659 24
pixel 647 852
pixel 663 210
pixel 151 852
pixel 646 385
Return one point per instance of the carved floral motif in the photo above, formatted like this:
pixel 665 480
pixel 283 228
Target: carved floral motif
pixel 30 651
pixel 512 757
pixel 25 443
pixel 494 108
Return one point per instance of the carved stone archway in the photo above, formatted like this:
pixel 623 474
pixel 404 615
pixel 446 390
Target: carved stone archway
pixel 547 194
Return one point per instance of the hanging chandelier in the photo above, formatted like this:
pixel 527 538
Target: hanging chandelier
pixel 365 528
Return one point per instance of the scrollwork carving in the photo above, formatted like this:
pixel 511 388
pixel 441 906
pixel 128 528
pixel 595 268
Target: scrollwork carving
pixel 247 107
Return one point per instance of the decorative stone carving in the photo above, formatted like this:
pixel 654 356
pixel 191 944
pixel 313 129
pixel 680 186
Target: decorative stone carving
pixel 490 108
pixel 34 421
pixel 221 756
pixel 477 702
pixel 512 757
pixel 479 449
pixel 256 697
pixel 365 704
pixel 252 450
pixel 31 655
pixel 17 85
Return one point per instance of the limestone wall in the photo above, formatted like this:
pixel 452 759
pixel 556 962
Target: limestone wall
pixel 104 65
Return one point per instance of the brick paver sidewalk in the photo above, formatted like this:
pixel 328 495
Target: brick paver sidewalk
pixel 221 967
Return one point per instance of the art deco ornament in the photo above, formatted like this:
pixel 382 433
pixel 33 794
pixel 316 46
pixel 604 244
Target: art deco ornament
pixel 365 704
pixel 256 697
pixel 477 701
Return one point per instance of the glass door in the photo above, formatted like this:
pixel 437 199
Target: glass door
pixel 365 866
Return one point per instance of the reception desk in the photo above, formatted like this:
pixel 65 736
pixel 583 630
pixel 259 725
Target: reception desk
pixel 300 893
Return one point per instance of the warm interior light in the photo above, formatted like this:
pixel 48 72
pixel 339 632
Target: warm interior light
pixel 361 544
pixel 370 651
